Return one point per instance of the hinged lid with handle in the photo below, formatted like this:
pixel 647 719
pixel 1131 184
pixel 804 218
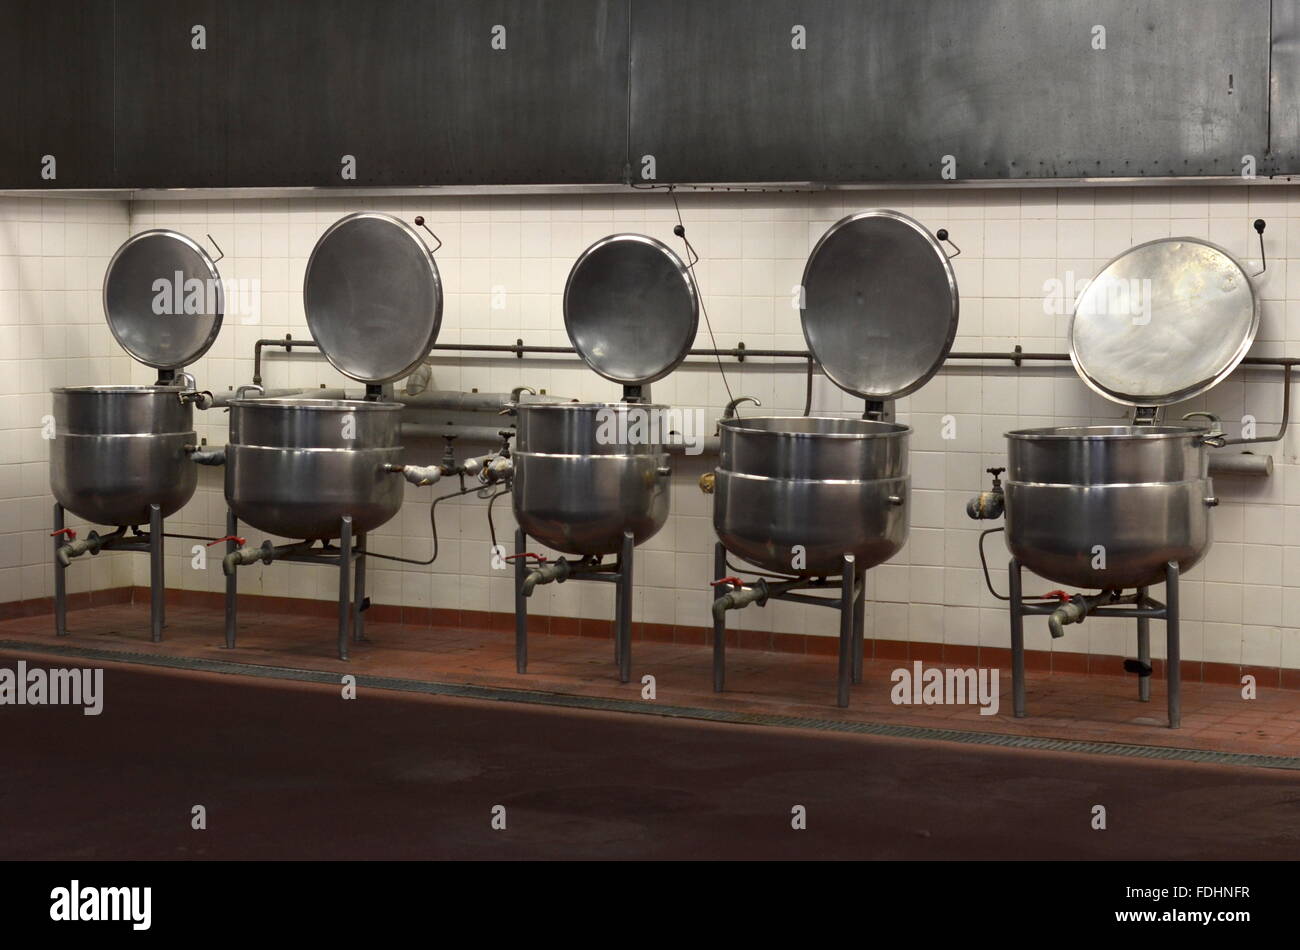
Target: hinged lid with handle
pixel 373 297
pixel 163 299
pixel 631 309
pixel 1163 322
pixel 880 304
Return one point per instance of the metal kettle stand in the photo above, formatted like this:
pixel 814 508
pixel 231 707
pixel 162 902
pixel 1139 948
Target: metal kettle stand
pixel 352 601
pixel 618 572
pixel 151 542
pixel 851 603
pixel 1140 606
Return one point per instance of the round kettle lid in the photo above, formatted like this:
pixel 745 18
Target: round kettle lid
pixel 880 304
pixel 373 297
pixel 1163 322
pixel 163 299
pixel 630 308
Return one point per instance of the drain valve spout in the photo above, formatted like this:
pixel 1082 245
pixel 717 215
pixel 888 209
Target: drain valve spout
pixel 92 543
pixel 238 558
pixel 740 597
pixel 267 553
pixel 1075 610
pixel 555 571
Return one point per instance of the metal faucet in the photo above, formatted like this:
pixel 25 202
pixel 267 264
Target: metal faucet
pixel 730 411
pixel 1215 436
pixel 509 410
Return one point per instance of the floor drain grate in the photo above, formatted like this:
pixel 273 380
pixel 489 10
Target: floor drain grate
pixel 600 704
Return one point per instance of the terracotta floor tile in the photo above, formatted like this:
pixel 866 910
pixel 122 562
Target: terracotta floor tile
pixel 1075 705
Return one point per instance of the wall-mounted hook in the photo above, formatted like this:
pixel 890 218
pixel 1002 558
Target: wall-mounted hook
pixel 220 252
pixel 419 222
pixel 942 235
pixel 1259 229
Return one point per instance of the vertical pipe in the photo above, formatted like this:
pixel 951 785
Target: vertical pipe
pixel 359 595
pixel 1144 647
pixel 1174 648
pixel 156 579
pixel 521 603
pixel 719 624
pixel 848 574
pixel 345 567
pixel 623 631
pixel 859 625
pixel 232 580
pixel 60 579
pixel 618 615
pixel 1017 641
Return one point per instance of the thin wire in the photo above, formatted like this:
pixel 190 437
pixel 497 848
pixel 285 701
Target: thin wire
pixel 492 531
pixel 433 525
pixel 692 258
pixel 988 581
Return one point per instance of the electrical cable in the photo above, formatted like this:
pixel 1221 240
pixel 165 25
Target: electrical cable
pixel 433 525
pixel 988 581
pixel 492 531
pixel 692 258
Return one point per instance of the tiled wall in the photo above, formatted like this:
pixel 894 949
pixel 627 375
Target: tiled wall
pixel 1240 605
pixel 53 252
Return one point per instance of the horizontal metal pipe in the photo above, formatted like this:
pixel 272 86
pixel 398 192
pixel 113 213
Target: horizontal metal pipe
pixel 1154 613
pixel 422 430
pixel 740 352
pixel 707 446
pixel 520 349
pixel 220 400
pixel 468 402
pixel 1241 463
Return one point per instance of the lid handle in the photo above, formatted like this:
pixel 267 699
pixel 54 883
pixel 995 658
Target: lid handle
pixel 419 222
pixel 942 235
pixel 1263 260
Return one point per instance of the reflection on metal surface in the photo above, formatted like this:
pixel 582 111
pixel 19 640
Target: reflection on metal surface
pixel 295 467
pixel 577 492
pixel 1009 89
pixel 631 309
pixel 119 449
pixel 1284 88
pixel 880 304
pixel 373 297
pixel 1107 507
pixel 163 299
pixel 795 494
pixel 1163 322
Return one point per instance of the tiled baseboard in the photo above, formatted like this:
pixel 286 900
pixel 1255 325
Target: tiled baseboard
pixel 1194 671
pixel 45 605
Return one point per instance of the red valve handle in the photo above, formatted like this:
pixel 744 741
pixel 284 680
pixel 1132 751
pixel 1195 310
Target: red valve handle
pixel 1060 595
pixel 526 555
pixel 70 532
pixel 733 581
pixel 229 537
